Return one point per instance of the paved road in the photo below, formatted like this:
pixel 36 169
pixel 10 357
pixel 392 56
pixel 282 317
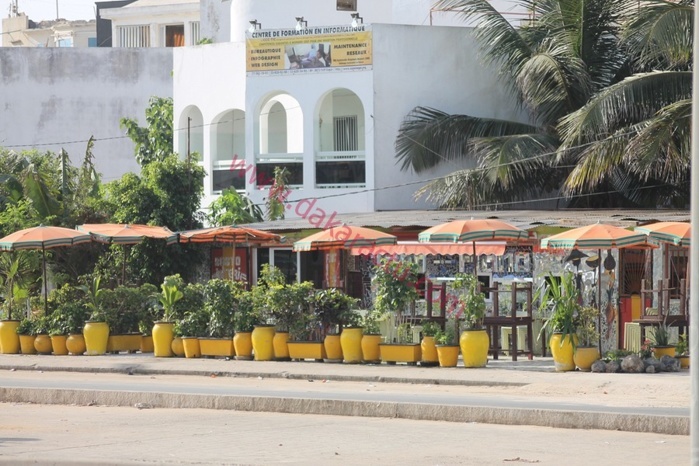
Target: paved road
pixel 69 435
pixel 506 392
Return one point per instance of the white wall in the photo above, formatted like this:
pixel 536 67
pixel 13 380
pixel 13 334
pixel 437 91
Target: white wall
pixel 212 78
pixel 279 14
pixel 57 98
pixel 216 20
pixel 434 67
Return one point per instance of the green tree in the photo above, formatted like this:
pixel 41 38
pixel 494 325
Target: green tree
pixel 154 141
pixel 167 192
pixel 157 197
pixel 566 69
pixel 233 208
pixel 647 114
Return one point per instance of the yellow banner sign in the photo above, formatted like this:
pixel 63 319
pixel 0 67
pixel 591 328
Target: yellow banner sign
pixel 330 48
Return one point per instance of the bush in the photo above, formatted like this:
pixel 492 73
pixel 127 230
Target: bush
pixel 220 306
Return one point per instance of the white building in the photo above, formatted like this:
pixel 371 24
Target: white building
pixel 252 104
pixel 154 23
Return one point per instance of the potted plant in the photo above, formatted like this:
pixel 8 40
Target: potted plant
pixel 430 329
pixel 27 334
pixel 163 330
pixel 123 310
pixel 15 279
pixel 192 324
pixel 660 341
pixel 395 283
pixel 263 331
pixel 341 330
pixel 59 328
pixel 586 351
pixel 96 330
pixel 42 342
pixel 447 342
pixel 304 336
pixel 559 306
pixel 470 303
pixel 244 320
pixel 220 307
pixel 69 314
pixel 147 316
pixel 371 336
pixel 682 350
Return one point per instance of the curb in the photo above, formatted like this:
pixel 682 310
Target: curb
pixel 135 370
pixel 669 425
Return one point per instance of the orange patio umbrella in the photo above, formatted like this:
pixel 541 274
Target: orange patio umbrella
pixel 677 233
pixel 597 236
pixel 229 234
pixel 118 233
pixel 461 231
pixel 344 237
pixel 43 237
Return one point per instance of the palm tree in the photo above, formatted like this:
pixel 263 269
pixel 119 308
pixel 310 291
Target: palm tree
pixel 572 53
pixel 647 114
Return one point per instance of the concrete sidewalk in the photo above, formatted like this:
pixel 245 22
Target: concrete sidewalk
pixel 522 380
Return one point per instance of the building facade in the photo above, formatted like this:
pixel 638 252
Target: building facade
pixel 329 117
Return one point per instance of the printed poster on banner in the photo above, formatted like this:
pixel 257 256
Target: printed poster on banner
pixel 229 265
pixel 309 50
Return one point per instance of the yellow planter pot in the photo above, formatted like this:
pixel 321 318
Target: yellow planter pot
pixel 351 344
pixel 684 361
pixel 448 355
pixel 562 352
pixel 214 347
pixel 300 350
pixel 333 348
pixel 129 343
pixel 281 349
pixel 370 348
pixel 162 339
pixel 26 343
pixel 242 344
pixel 262 342
pixel 191 347
pixel 42 343
pixel 429 351
pixel 75 343
pixel 393 353
pixel 9 340
pixel 660 351
pixel 584 357
pixel 146 344
pixel 58 345
pixel 96 336
pixel 474 347
pixel 177 347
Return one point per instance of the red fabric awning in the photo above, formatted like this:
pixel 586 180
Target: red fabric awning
pixel 495 248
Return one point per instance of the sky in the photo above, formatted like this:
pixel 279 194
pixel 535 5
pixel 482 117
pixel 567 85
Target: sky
pixel 40 10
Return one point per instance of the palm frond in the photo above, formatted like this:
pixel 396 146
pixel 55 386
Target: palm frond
pixel 428 136
pixel 659 34
pixel 507 160
pixel 460 189
pixel 662 148
pixel 553 83
pixel 596 161
pixel 633 100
